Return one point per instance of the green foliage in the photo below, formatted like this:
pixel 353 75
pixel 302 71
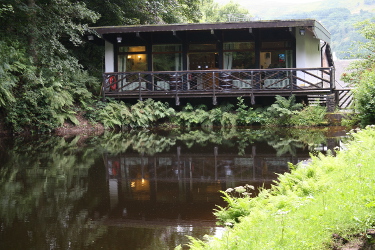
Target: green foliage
pixel 329 195
pixel 310 116
pixel 140 115
pixel 40 79
pixel 362 76
pixel 125 12
pixel 364 97
pixel 246 115
pixel 12 67
pixel 198 116
pixel 281 111
pixel 239 204
pixel 213 12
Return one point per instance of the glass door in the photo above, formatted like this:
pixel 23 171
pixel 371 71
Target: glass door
pixel 203 61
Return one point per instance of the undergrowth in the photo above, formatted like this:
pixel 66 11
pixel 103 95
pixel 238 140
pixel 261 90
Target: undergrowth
pixel 306 207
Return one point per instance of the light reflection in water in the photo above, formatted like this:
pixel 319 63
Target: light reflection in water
pixel 141 190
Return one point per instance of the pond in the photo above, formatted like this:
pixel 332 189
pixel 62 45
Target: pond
pixel 139 189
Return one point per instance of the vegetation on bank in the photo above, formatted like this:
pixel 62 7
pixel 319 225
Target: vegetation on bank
pixel 284 112
pixel 324 204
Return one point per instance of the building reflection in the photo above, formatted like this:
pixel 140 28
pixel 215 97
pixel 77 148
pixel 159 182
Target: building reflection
pixel 182 185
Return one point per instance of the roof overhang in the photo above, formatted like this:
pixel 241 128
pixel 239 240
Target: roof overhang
pixel 310 24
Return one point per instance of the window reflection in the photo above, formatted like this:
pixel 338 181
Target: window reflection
pixel 167 57
pixel 239 55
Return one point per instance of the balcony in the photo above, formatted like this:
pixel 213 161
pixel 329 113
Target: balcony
pixel 219 83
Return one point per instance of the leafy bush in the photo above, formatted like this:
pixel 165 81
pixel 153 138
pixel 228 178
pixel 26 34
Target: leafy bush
pixel 198 116
pixel 281 111
pixel 309 116
pixel 12 66
pixel 247 115
pixel 142 114
pixel 364 97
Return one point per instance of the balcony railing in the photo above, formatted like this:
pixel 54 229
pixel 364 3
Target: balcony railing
pixel 212 83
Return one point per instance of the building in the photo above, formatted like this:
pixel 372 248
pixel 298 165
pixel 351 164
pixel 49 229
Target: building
pixel 255 59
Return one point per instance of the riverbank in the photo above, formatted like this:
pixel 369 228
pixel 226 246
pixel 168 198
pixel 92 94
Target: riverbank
pixel 328 203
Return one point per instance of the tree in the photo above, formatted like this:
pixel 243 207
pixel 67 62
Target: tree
pixel 213 12
pixel 362 74
pixel 128 12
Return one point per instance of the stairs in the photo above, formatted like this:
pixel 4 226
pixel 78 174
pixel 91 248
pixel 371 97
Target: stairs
pixel 344 99
pixel 317 100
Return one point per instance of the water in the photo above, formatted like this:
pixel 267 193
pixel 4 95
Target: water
pixel 137 190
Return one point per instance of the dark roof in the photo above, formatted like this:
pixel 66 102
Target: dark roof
pixel 311 24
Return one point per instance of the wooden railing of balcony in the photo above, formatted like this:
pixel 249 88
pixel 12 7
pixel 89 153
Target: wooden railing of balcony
pixel 218 83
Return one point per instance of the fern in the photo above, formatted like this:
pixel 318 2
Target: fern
pixel 282 110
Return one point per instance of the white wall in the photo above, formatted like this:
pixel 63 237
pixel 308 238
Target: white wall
pixel 109 57
pixel 307 51
pixel 308 55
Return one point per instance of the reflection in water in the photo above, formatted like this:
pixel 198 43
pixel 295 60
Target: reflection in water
pixel 137 190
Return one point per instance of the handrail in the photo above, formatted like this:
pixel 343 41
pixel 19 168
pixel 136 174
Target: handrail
pixel 217 82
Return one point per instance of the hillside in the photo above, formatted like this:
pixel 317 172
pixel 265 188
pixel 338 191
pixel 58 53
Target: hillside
pixel 338 16
pixel 272 10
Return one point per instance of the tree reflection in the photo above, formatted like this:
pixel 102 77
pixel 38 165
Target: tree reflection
pixel 284 140
pixel 44 186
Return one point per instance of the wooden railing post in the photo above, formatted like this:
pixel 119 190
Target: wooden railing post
pixel 291 82
pixel 252 98
pixel 214 100
pixel 176 83
pixel 103 86
pixel 332 78
pixel 140 86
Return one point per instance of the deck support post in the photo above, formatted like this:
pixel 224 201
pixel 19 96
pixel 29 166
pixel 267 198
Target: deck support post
pixel 177 100
pixel 331 103
pixel 252 98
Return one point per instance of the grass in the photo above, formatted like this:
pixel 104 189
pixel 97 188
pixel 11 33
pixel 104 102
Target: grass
pixel 330 196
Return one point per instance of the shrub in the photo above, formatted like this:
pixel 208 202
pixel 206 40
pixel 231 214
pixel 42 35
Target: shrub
pixel 364 101
pixel 309 116
pixel 281 111
pixel 140 115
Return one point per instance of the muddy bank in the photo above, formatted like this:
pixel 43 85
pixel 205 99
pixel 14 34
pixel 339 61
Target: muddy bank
pixel 84 127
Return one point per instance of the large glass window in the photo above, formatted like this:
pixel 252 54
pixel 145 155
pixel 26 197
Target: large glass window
pixel 239 55
pixel 167 57
pixel 132 59
pixel 132 63
pixel 276 55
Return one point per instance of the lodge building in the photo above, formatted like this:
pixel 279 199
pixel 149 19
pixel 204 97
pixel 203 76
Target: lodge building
pixel 254 59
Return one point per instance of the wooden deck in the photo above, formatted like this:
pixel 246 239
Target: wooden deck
pixel 219 83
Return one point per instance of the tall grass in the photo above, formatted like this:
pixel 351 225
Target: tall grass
pixel 305 208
